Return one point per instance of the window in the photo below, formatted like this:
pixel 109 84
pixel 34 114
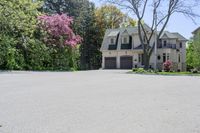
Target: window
pixel 181 45
pixel 136 66
pixel 139 58
pixel 165 43
pixel 164 57
pixel 159 57
pixel 179 58
pixel 125 40
pixel 167 56
pixel 112 41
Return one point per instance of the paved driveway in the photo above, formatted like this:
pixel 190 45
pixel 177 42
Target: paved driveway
pixel 98 102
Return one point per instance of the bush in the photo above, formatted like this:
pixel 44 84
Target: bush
pixel 139 70
pixel 167 66
pixel 11 58
pixel 194 71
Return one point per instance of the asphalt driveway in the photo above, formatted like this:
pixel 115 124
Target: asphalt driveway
pixel 98 102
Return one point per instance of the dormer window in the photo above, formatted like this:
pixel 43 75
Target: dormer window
pixel 112 41
pixel 125 40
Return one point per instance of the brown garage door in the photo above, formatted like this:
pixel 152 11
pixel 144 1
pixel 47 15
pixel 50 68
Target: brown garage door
pixel 110 63
pixel 126 62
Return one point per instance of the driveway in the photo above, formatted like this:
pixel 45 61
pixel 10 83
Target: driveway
pixel 98 102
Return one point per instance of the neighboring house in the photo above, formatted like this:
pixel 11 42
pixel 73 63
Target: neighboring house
pixel 121 49
pixel 196 31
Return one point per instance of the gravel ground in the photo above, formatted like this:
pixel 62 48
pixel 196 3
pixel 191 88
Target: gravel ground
pixel 98 102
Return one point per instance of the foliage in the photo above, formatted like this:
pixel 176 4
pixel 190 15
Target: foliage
pixel 10 57
pixel 17 25
pixel 193 53
pixel 22 45
pixel 152 72
pixel 18 18
pixel 84 25
pixel 142 70
pixel 110 17
pixel 190 55
pixel 29 42
pixel 58 30
pixel 167 65
pixel 196 53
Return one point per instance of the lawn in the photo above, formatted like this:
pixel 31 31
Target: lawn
pixel 142 71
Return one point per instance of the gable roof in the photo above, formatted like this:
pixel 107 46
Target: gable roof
pixel 180 37
pixel 113 33
pixel 173 35
pixel 168 35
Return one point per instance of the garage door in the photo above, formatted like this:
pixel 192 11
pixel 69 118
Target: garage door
pixel 110 63
pixel 126 62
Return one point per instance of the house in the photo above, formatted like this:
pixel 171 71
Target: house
pixel 196 31
pixel 121 49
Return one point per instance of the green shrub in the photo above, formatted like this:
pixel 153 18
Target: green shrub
pixel 11 58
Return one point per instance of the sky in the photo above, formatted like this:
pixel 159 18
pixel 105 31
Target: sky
pixel 177 23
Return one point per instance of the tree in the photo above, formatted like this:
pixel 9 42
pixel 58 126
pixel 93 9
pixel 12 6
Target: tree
pixel 82 11
pixel 193 52
pixel 110 17
pixel 61 38
pixel 160 8
pixel 17 27
pixel 190 55
pixel 58 30
pixel 196 53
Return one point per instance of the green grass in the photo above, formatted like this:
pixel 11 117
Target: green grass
pixel 151 72
pixel 178 73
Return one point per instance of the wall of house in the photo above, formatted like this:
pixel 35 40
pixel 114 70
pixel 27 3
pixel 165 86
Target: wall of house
pixel 173 53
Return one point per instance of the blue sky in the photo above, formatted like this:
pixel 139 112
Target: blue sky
pixel 178 23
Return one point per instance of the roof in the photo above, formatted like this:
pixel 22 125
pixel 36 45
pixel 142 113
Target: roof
pixel 167 34
pixel 113 33
pixel 134 30
pixel 140 47
pixel 195 31
pixel 173 35
pixel 180 37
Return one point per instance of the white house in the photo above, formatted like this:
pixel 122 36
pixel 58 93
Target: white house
pixel 121 49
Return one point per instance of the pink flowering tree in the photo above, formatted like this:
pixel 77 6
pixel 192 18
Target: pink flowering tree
pixel 58 29
pixel 167 65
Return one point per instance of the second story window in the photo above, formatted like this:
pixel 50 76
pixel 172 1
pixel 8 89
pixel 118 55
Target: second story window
pixel 181 45
pixel 125 40
pixel 112 41
pixel 165 43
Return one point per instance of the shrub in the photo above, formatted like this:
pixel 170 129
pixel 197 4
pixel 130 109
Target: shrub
pixel 167 66
pixel 139 70
pixel 11 58
pixel 194 70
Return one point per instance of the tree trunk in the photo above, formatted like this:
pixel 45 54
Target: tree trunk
pixel 146 61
